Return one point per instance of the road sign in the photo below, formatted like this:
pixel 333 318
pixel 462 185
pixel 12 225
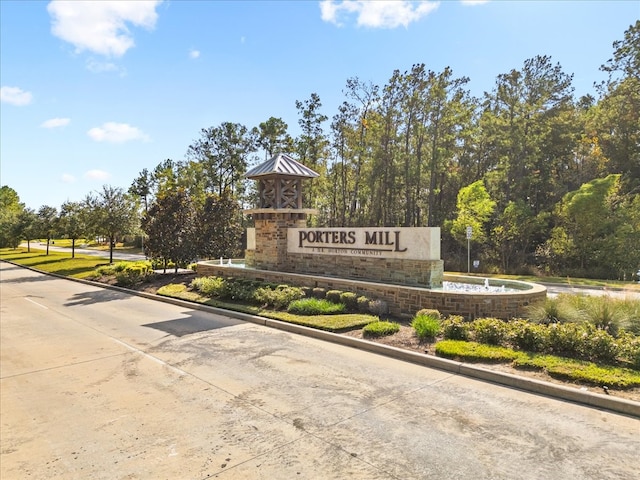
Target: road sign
pixel 469 233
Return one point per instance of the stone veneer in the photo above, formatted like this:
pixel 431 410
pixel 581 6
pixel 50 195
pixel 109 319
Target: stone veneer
pixel 403 301
pixel 416 273
pixel 269 251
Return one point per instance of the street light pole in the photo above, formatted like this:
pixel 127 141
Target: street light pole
pixel 469 234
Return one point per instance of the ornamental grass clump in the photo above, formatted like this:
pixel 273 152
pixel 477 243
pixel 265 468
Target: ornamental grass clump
pixel 427 327
pixel 380 328
pixel 315 306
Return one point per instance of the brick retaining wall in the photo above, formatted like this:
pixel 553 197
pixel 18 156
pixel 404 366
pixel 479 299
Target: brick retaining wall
pixel 402 300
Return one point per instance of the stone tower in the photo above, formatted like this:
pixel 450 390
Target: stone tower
pixel 279 208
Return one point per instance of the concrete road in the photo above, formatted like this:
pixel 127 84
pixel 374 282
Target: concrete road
pixel 97 384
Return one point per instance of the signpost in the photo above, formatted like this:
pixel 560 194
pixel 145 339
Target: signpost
pixel 469 234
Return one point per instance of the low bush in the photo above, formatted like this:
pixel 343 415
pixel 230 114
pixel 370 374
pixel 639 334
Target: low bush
pixel 432 312
pixel 454 327
pixel 426 326
pixel 566 339
pixel 319 292
pixel 315 306
pixel 334 296
pixel 490 330
pixel 209 286
pixel 363 304
pixel 381 328
pixel 531 337
pixel 582 371
pixel 474 351
pixel 238 290
pixel 131 273
pixel 350 301
pixel 599 346
pixel 278 298
pixel 172 289
pixel 629 347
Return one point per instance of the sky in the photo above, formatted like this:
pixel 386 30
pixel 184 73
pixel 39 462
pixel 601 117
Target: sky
pixel 93 92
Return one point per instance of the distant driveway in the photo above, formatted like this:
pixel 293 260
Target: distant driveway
pixel 117 255
pixel 101 384
pixel 554 290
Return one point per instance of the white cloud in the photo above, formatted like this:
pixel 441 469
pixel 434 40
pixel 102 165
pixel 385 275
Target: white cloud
pixel 101 26
pixel 15 96
pixel 97 175
pixel 116 133
pixel 376 14
pixel 97 66
pixel 194 53
pixel 474 2
pixel 67 178
pixel 56 122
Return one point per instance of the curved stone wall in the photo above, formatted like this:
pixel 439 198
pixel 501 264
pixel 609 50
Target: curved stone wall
pixel 405 300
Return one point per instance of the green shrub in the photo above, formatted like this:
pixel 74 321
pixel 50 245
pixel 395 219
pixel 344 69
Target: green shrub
pixel 209 286
pixel 363 304
pixel 308 291
pixel 474 351
pixel 319 292
pixel 566 339
pixel 426 326
pixel 120 266
pixel 172 289
pixel 577 370
pixel 599 346
pixel 334 296
pixel 350 300
pixel 315 306
pixel 381 328
pixel 629 346
pixel 279 297
pixel 105 270
pixel 238 290
pixel 492 331
pixel 131 273
pixel 531 337
pixel 432 312
pixel 455 328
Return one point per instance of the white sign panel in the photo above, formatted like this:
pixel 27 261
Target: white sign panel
pixel 387 242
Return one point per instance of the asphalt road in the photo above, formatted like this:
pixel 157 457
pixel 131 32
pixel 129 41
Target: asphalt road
pixel 104 385
pixel 553 290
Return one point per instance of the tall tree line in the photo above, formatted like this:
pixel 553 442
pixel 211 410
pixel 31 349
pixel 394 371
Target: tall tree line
pixel 420 150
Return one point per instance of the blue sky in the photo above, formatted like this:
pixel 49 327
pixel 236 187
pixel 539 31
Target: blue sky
pixel 93 92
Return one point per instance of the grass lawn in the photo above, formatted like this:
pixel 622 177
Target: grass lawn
pixel 61 263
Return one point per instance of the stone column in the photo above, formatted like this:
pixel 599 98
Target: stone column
pixel 271 238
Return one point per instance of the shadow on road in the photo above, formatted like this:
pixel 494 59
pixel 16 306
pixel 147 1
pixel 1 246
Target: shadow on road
pixel 192 324
pixel 97 296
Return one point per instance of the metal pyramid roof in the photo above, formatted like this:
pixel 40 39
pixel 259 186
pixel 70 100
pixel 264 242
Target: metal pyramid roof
pixel 281 164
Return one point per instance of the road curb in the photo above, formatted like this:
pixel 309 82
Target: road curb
pixel 540 387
